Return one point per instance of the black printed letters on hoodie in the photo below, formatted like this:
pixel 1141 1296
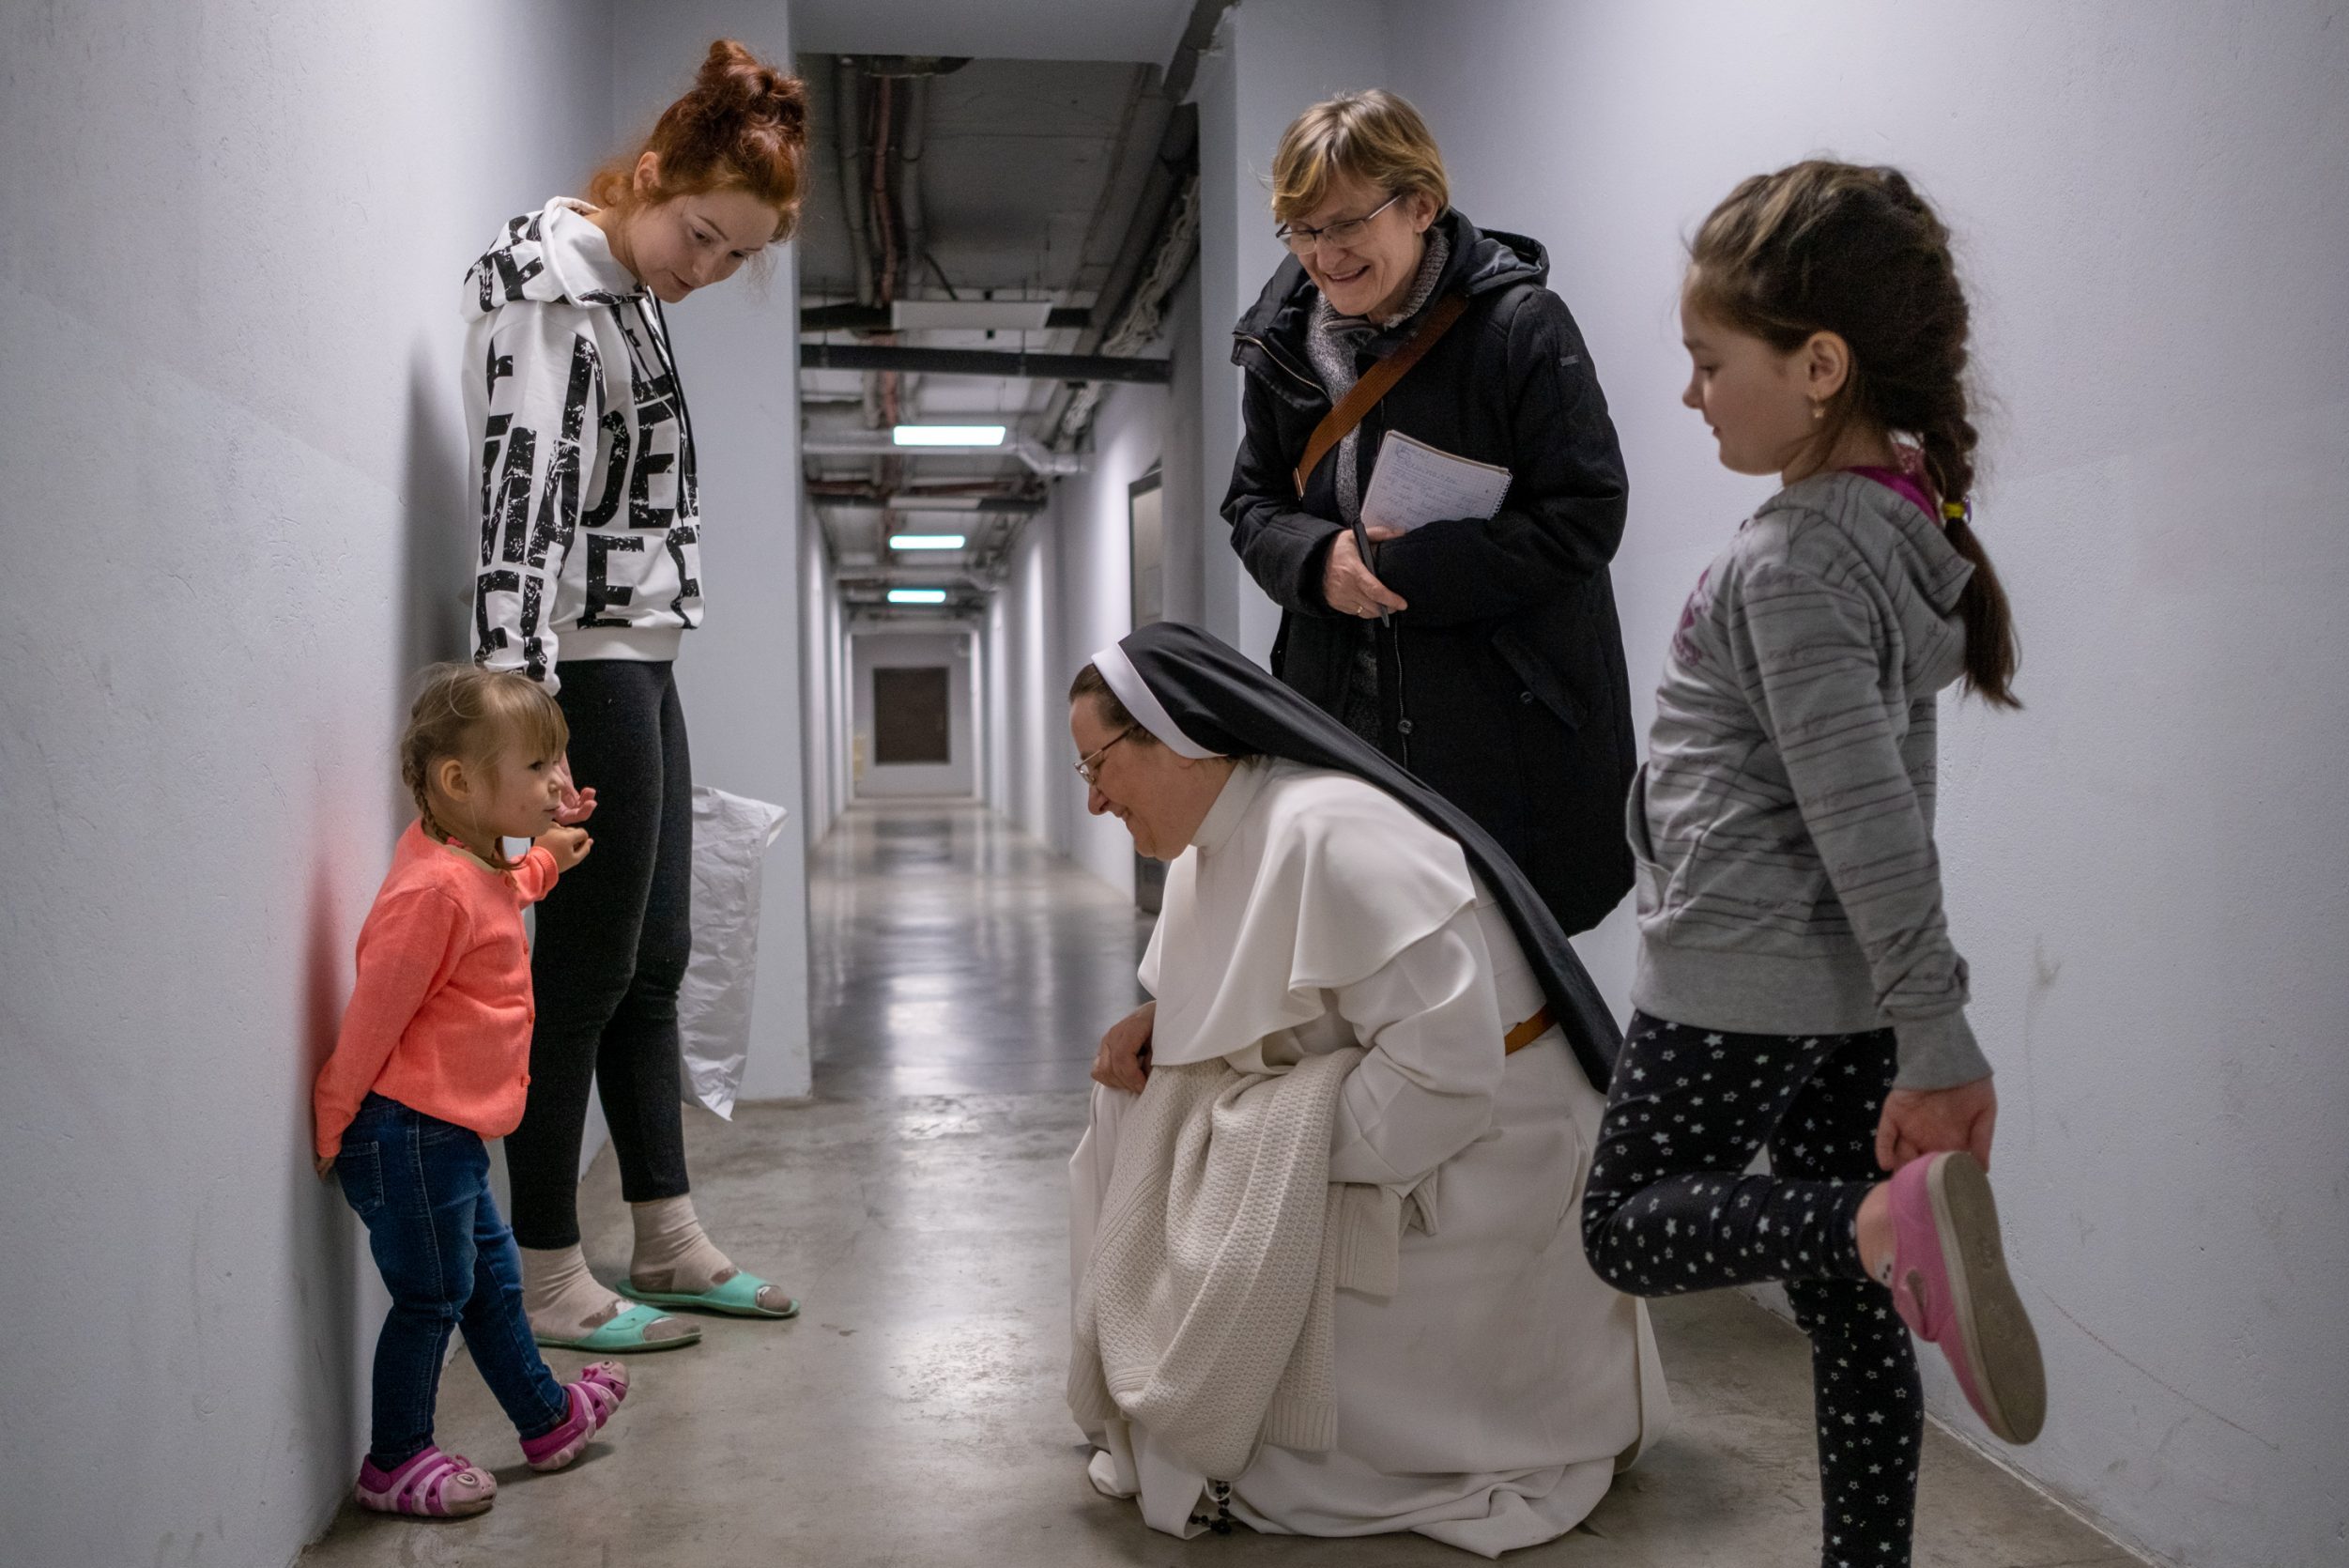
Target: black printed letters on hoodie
pixel 589 517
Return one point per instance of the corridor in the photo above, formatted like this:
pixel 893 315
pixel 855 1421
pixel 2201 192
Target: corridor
pixel 353 355
pixel 912 1416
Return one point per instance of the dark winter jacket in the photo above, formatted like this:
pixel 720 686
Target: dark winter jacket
pixel 1503 684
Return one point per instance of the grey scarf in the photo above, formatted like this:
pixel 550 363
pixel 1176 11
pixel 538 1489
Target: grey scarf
pixel 1331 342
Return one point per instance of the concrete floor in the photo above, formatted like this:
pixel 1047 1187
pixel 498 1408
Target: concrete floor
pixel 913 1417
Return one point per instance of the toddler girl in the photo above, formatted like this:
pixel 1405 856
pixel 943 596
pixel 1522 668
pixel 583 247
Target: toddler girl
pixel 1796 986
pixel 431 1060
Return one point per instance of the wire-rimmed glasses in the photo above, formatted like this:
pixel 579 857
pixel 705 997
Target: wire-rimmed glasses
pixel 1342 234
pixel 1089 768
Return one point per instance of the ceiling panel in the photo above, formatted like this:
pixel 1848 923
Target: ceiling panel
pixel 1145 30
pixel 1031 174
pixel 1019 157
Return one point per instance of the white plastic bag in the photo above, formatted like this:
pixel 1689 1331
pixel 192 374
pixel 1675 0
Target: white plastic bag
pixel 731 837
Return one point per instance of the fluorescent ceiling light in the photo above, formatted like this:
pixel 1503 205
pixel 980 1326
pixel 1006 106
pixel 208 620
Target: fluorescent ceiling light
pixel 1011 315
pixel 917 595
pixel 915 500
pixel 924 541
pixel 948 435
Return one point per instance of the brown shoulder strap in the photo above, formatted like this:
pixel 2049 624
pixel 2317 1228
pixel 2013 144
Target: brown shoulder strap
pixel 1375 383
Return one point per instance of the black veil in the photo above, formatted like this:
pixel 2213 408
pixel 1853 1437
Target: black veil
pixel 1221 704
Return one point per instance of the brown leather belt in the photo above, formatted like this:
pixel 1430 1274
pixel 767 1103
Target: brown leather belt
pixel 1526 1032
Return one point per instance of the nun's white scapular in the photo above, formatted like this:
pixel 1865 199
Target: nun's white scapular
pixel 1489 1400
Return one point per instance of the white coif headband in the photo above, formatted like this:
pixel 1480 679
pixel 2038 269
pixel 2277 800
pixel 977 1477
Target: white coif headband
pixel 1140 701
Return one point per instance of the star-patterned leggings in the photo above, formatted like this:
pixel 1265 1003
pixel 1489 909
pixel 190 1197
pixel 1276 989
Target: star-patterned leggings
pixel 1670 1209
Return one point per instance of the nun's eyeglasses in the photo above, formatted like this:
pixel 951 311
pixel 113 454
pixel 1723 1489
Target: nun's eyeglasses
pixel 1089 768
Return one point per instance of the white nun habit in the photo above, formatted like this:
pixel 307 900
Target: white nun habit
pixel 1489 1400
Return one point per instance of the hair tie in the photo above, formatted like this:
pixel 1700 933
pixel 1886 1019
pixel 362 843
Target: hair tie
pixel 1959 511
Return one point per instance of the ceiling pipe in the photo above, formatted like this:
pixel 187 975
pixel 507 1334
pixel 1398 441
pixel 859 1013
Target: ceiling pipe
pixel 848 135
pixel 849 156
pixel 1198 33
pixel 1145 313
pixel 877 199
pixel 909 176
pixel 1142 256
pixel 872 319
pixel 915 66
pixel 1145 251
pixel 946 492
pixel 1017 364
pixel 882 205
pixel 850 493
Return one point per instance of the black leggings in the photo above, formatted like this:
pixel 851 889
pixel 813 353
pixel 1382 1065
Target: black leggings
pixel 1670 1209
pixel 611 946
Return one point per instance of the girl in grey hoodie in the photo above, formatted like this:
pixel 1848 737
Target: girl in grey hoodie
pixel 1796 986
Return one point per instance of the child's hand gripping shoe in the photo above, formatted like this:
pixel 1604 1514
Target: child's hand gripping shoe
pixel 1949 1282
pixel 594 1398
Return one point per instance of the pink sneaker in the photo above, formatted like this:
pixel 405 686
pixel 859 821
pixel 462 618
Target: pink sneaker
pixel 1950 1285
pixel 594 1398
pixel 434 1485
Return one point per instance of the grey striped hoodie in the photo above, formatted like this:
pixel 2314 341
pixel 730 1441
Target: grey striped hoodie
pixel 1784 822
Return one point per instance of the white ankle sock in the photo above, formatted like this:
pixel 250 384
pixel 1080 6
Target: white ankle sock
pixel 563 1300
pixel 560 1297
pixel 673 1254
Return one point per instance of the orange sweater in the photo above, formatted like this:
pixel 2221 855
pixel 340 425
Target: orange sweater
pixel 441 1017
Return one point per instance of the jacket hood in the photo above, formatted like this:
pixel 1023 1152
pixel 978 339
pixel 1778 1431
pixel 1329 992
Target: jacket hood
pixel 555 254
pixel 1921 552
pixel 1480 263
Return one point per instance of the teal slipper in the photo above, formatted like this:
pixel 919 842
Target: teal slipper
pixel 737 1298
pixel 623 1333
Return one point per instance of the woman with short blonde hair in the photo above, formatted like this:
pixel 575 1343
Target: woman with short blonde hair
pixel 1482 653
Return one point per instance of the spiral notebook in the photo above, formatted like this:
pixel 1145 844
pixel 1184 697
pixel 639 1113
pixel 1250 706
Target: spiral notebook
pixel 1415 484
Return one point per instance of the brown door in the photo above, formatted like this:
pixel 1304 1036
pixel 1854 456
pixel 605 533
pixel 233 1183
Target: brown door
pixel 909 715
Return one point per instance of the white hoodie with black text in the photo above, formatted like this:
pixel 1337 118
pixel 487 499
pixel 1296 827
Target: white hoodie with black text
pixel 589 517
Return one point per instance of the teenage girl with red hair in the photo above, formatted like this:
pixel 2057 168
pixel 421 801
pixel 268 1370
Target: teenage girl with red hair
pixel 589 575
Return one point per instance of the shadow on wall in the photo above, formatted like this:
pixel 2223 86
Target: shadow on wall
pixel 437 569
pixel 325 1229
pixel 340 1299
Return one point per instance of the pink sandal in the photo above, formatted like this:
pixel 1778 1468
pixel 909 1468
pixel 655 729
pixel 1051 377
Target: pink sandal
pixel 1950 1285
pixel 594 1398
pixel 432 1485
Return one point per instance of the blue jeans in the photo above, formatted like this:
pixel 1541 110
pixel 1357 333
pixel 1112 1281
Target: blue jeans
pixel 421 1187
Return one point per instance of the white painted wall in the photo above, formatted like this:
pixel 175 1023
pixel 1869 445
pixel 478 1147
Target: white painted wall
pixel 1274 59
pixel 995 701
pixel 950 649
pixel 737 352
pixel 1091 521
pixel 1024 629
pixel 1070 592
pixel 1189 508
pixel 2143 867
pixel 231 243
pixel 824 650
